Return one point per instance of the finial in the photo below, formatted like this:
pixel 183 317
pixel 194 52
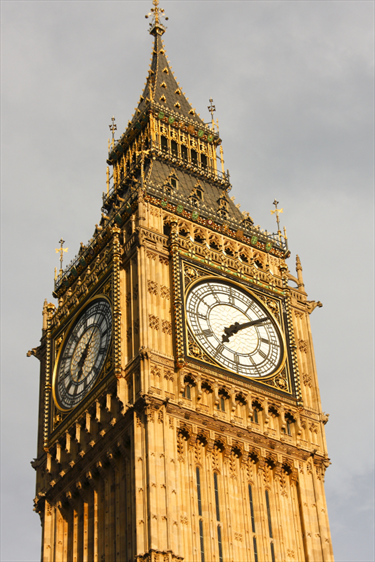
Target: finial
pixel 113 128
pixel 156 13
pixel 299 272
pixel 277 212
pixel 211 108
pixel 61 251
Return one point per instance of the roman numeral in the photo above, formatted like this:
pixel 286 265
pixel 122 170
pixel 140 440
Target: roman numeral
pixel 264 340
pixel 219 349
pixel 207 333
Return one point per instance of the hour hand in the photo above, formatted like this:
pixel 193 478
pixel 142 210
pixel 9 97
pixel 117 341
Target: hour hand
pixel 236 327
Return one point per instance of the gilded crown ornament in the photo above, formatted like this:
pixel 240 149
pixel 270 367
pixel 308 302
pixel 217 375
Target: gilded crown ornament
pixel 156 13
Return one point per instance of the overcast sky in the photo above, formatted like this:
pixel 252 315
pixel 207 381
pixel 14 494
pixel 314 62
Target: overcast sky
pixel 293 85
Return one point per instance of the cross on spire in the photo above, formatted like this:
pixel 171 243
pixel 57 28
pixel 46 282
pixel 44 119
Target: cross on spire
pixel 113 127
pixel 61 251
pixel 211 108
pixel 156 13
pixel 277 212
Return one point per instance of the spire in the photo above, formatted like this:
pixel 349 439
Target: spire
pixel 161 88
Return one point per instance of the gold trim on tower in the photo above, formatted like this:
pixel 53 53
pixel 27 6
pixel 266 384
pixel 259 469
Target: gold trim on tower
pixel 67 334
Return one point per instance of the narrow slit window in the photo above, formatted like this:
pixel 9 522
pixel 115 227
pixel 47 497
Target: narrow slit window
pixel 199 492
pixel 269 514
pixel 174 148
pixel 187 392
pixel 220 543
pixel 252 509
pixel 221 404
pixel 164 143
pixel 194 157
pixel 201 539
pixel 272 552
pixel 253 522
pixel 216 483
pixel 184 152
pixel 255 549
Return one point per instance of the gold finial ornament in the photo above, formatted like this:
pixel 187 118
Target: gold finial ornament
pixel 61 251
pixel 277 212
pixel 156 13
pixel 211 108
pixel 113 128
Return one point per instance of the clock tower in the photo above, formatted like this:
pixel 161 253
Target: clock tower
pixel 179 411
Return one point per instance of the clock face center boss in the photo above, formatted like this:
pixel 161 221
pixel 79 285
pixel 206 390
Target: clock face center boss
pixel 82 353
pixel 234 328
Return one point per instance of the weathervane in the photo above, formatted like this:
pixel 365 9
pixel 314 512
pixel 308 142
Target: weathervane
pixel 277 212
pixel 156 13
pixel 113 128
pixel 61 251
pixel 211 108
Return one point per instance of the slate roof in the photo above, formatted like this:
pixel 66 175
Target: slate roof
pixel 160 73
pixel 161 171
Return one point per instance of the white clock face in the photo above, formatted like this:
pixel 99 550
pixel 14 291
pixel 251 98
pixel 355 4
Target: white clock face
pixel 83 354
pixel 234 328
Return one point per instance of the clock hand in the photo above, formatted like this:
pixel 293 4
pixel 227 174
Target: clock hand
pixel 83 357
pixel 236 327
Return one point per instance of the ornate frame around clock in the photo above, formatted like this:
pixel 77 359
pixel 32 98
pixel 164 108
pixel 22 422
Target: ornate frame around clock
pixel 276 301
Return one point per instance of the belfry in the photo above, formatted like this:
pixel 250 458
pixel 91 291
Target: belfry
pixel 179 409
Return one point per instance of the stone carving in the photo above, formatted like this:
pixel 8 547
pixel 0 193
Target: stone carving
pixel 163 260
pixel 169 375
pixel 155 371
pixel 311 305
pixel 153 322
pixel 152 287
pixel 307 380
pixel 166 327
pixel 302 346
pixel 165 292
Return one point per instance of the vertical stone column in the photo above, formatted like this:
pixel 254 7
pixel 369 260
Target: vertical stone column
pixel 177 297
pixel 116 293
pixel 47 378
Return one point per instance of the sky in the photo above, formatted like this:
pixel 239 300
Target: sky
pixel 293 86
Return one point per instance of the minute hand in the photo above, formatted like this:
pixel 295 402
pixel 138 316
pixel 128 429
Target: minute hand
pixel 236 327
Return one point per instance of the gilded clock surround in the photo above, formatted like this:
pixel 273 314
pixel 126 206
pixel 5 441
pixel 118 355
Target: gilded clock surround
pixel 194 351
pixel 117 474
pixel 61 345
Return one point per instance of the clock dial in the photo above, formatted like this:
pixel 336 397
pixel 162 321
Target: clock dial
pixel 234 328
pixel 83 353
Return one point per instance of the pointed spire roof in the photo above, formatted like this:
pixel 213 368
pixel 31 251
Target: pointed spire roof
pixel 161 86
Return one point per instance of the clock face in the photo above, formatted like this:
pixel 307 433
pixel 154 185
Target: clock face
pixel 83 353
pixel 234 328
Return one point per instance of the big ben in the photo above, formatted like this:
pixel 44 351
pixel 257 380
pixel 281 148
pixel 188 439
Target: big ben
pixel 179 411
